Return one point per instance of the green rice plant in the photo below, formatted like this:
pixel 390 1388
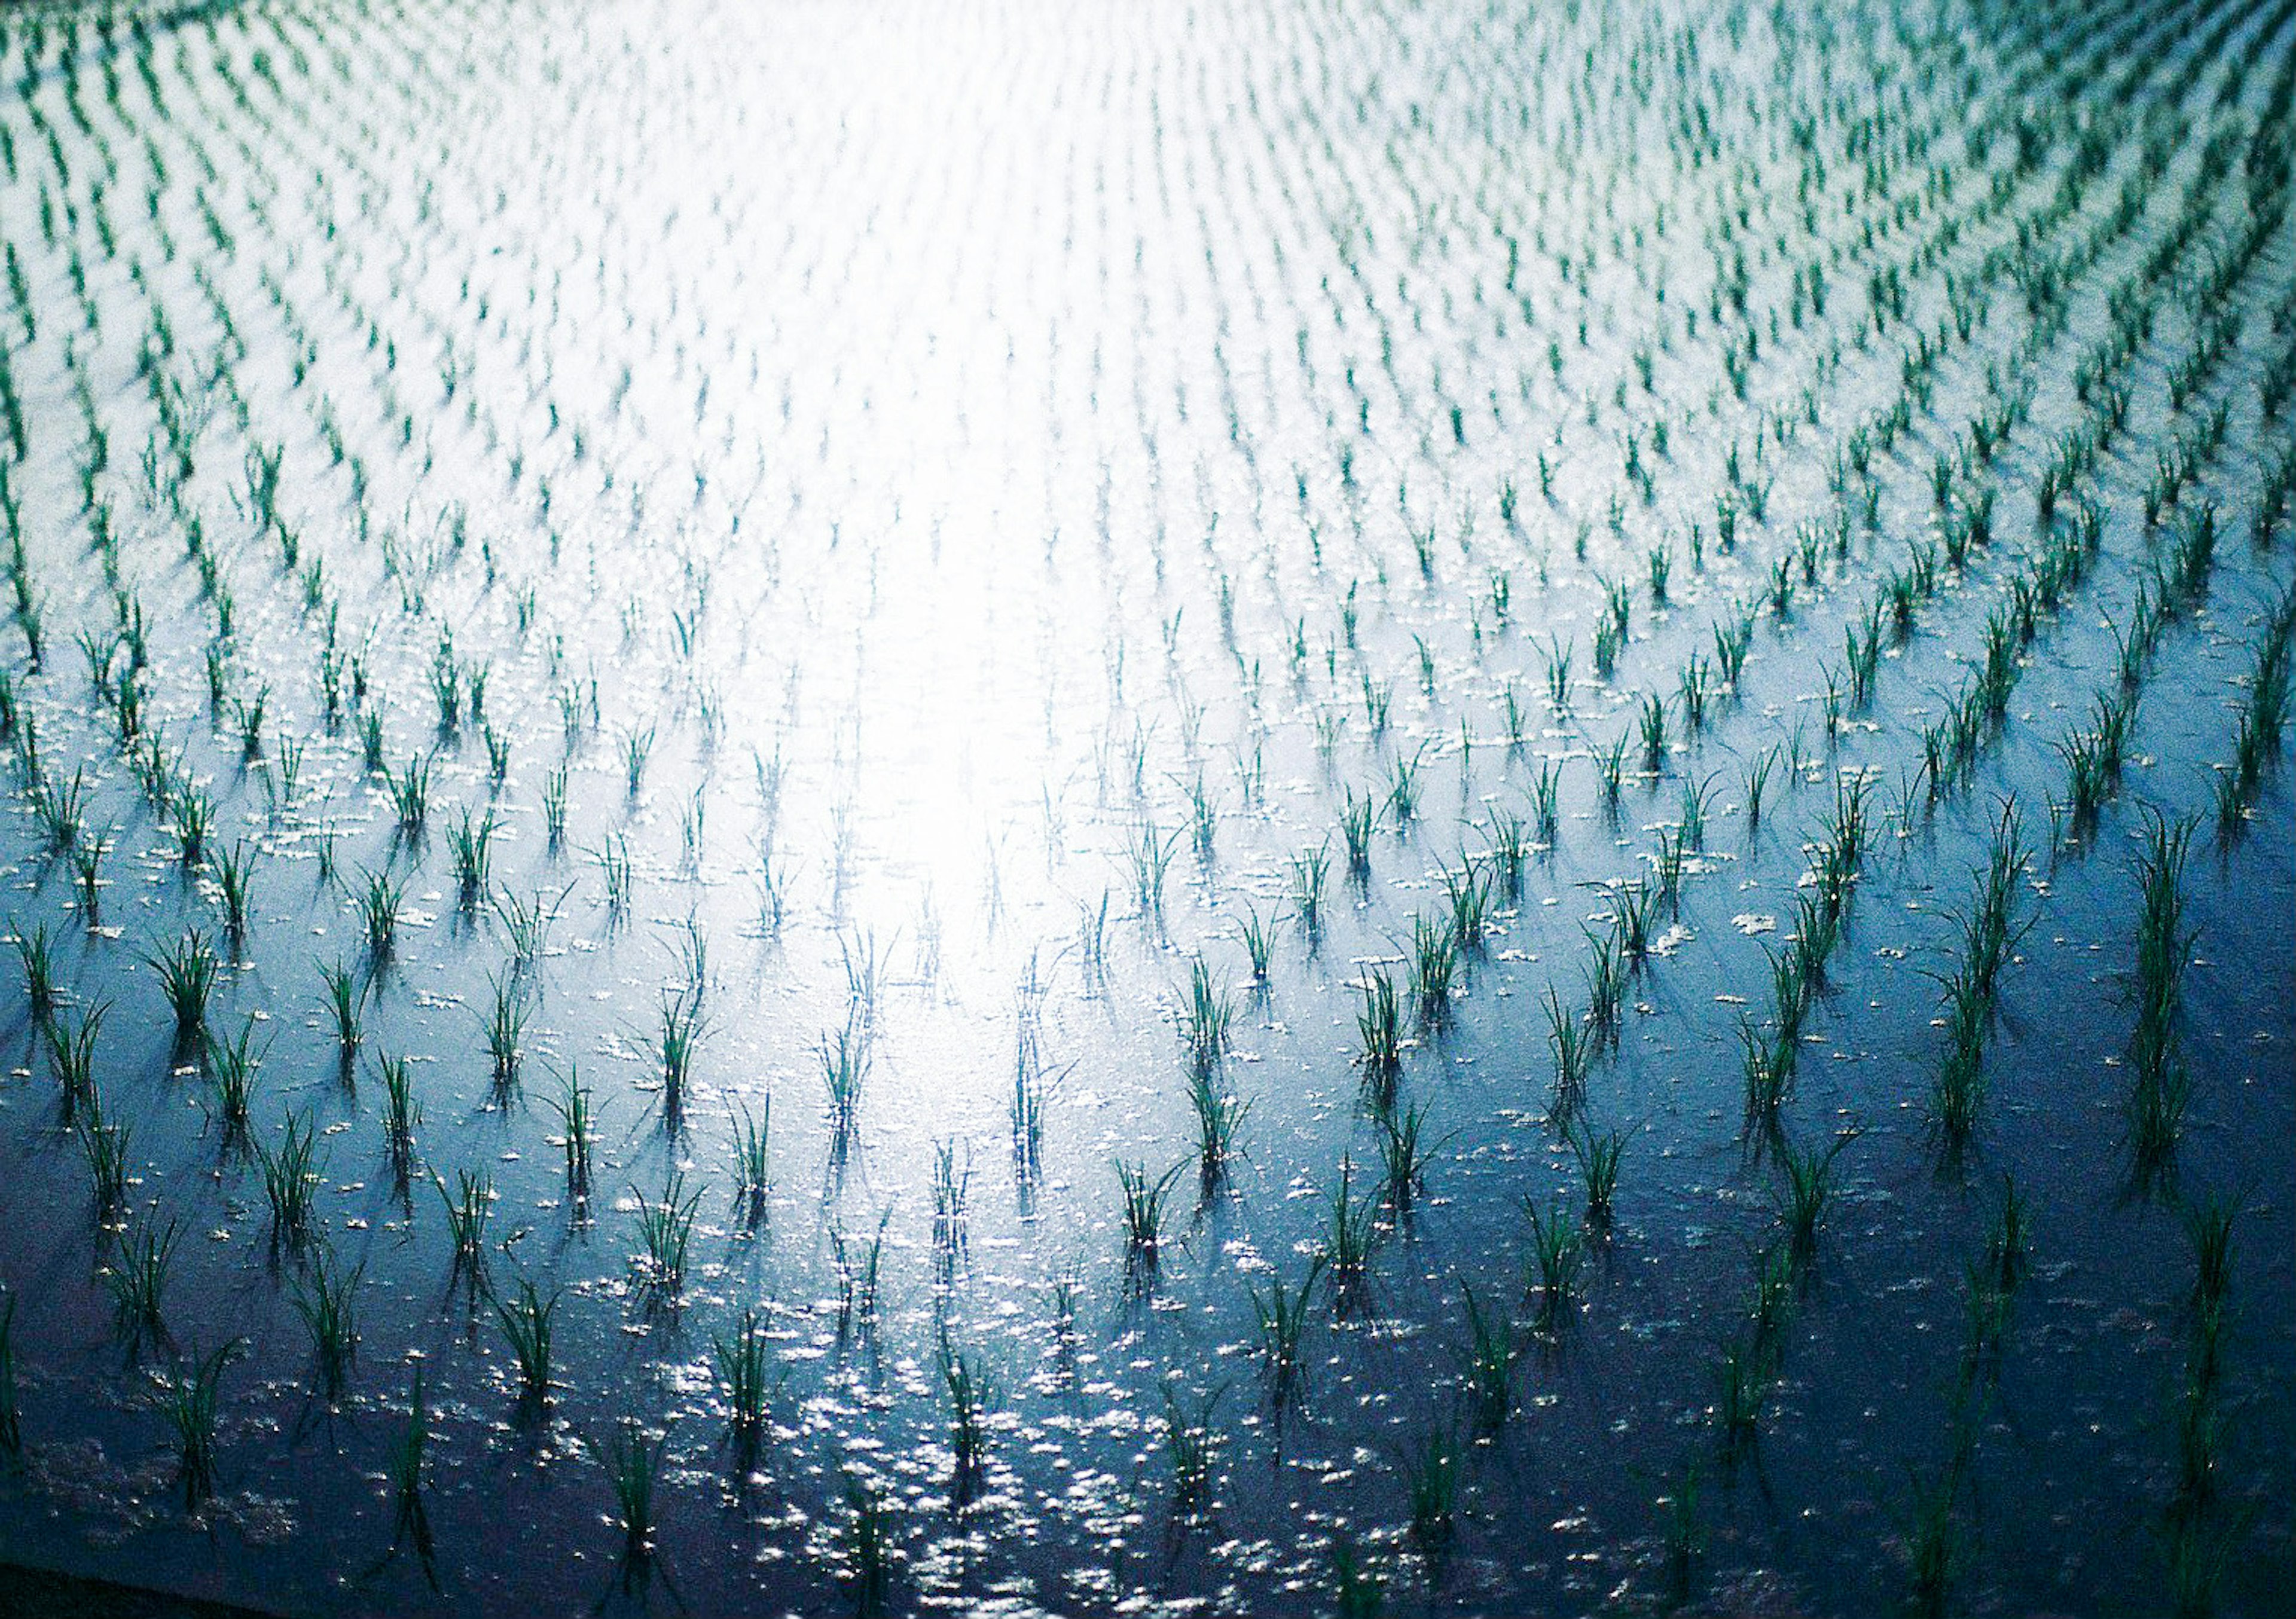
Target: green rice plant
pixel 633 1468
pixel 554 805
pixel 325 1297
pixel 346 1003
pixel 744 1364
pixel 1758 781
pixel 1743 1381
pixel 1611 767
pixel 1258 942
pixel 970 1397
pixel 1572 1042
pixel 402 1115
pixel 844 1070
pixel 1558 1250
pixel 528 1322
pixel 71 1053
pixel 1144 1197
pixel 1650 721
pixel 1434 964
pixel 2208 1227
pixel 192 816
pixel 235 875
pixel 290 1182
pixel 577 1127
pixel 1357 1592
pixel 106 1148
pixel 1806 1189
pixel 1510 853
pixel 189 971
pixel 470 843
pixel 1433 1478
pixel 188 1401
pixel 378 903
pixel 1606 984
pixel 1467 893
pixel 754 1163
pixel 1768 1062
pixel 411 1518
pixel 466 1219
pixel 868 1538
pixel 42 989
pixel 637 748
pixel 858 1279
pixel 1598 1156
pixel 137 1276
pixel 1405 1152
pixel 231 1067
pixel 1489 1358
pixel 1283 1317
pixel 951 1184
pixel 1545 796
pixel 1205 1017
pixel 1190 1442
pixel 1933 1543
pixel 1219 1118
pixel 1358 817
pixel 666 1228
pixel 409 793
pixel 87 873
pixel 1379 1023
pixel 1350 1232
pixel 1311 868
pixel 503 1027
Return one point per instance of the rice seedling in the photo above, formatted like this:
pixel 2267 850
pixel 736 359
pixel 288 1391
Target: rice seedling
pixel 1357 820
pixel 467 1206
pixel 1489 1358
pixel 1309 870
pixel 1934 1544
pixel 1806 1190
pixel 380 900
pixel 868 1547
pixel 231 1069
pixel 188 1402
pixel 346 1003
pixel 577 1131
pixel 666 1229
pixel 970 1397
pixel 1350 1233
pixel 1357 1592
pixel 470 842
pixel 753 1162
pixel 1434 964
pixel 71 1053
pixel 2208 1227
pixel 43 991
pixel 858 1279
pixel 633 1467
pixel 189 971
pixel 1191 1444
pixel 1598 1156
pixel 1219 1115
pixel 1557 1252
pixel 844 1056
pixel 1572 1041
pixel 1405 1153
pixel 528 1322
pixel 289 1180
pixel 409 793
pixel 325 1297
pixel 745 1365
pixel 1142 1211
pixel 1259 943
pixel 1205 1018
pixel 1743 1382
pixel 1282 1313
pixel 1433 1480
pixel 1379 1023
pixel 235 875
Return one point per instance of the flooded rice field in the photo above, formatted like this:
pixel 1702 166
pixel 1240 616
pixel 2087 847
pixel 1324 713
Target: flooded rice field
pixel 1415 808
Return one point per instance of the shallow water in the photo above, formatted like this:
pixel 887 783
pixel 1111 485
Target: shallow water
pixel 972 499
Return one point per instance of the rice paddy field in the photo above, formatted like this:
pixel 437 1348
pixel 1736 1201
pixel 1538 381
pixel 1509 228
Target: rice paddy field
pixel 1155 809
